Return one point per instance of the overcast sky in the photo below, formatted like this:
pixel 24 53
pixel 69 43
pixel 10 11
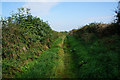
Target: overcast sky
pixel 65 16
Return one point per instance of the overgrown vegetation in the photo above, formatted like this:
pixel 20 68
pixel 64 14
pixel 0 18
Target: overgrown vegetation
pixel 117 11
pixel 43 67
pixel 95 49
pixel 24 38
pixel 31 49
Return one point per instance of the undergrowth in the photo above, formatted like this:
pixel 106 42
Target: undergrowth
pixel 96 56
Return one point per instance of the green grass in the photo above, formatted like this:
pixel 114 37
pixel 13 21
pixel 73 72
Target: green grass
pixel 31 49
pixel 70 70
pixel 43 67
pixel 19 51
pixel 98 59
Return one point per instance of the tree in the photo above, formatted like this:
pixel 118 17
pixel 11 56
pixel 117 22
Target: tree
pixel 118 13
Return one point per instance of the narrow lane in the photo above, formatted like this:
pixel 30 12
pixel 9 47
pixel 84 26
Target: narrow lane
pixel 65 68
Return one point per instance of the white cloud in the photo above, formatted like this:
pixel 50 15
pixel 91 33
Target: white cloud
pixel 40 8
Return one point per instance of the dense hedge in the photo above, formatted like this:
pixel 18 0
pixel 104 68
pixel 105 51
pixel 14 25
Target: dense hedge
pixel 22 31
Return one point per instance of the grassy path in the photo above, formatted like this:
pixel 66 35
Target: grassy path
pixel 56 62
pixel 65 68
pixel 60 67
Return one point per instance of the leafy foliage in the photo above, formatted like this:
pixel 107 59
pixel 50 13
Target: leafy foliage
pixel 24 28
pixel 43 67
pixel 30 48
pixel 118 13
pixel 95 48
pixel 24 38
